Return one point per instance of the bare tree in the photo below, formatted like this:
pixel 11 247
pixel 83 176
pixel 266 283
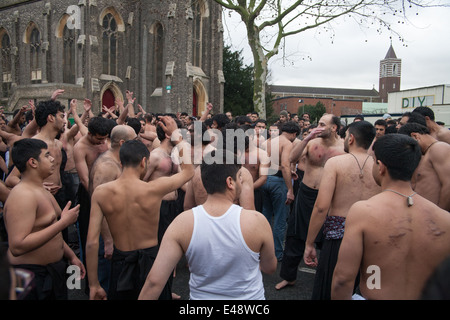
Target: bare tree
pixel 268 22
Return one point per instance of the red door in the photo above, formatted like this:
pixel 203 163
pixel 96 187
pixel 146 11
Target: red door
pixel 108 99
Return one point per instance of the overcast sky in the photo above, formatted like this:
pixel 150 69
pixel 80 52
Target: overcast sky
pixel 353 59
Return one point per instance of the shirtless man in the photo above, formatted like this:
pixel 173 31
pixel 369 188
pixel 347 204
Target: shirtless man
pixel 131 207
pixel 107 168
pixel 160 165
pixel 196 193
pixel 395 239
pixel 86 151
pixel 436 131
pixel 34 226
pixel 257 162
pixel 320 145
pixel 50 118
pixel 243 234
pixel 278 191
pixel 346 179
pixel 431 178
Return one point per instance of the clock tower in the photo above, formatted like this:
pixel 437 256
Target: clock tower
pixel 390 74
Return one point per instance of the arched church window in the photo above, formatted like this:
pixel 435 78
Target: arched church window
pixel 35 48
pixel 110 41
pixel 198 8
pixel 6 67
pixel 69 55
pixel 158 55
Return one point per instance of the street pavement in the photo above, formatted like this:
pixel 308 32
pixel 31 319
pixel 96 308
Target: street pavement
pixel 300 291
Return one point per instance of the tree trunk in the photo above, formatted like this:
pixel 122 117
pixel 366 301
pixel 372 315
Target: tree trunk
pixel 259 74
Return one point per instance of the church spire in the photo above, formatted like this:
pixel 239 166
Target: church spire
pixel 391 53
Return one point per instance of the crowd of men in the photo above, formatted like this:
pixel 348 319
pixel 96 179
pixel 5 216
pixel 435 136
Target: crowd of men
pixel 366 205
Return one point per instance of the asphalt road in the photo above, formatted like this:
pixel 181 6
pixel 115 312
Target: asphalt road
pixel 300 291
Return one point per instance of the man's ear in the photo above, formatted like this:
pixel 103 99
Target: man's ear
pixel 382 168
pixel 144 162
pixel 50 118
pixel 230 183
pixel 351 139
pixel 32 162
pixel 415 136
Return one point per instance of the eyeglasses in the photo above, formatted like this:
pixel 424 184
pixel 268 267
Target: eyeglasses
pixel 24 282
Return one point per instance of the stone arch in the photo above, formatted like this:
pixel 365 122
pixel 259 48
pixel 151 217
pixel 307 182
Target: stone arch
pixel 116 15
pixel 201 96
pixel 114 89
pixel 27 35
pixel 3 31
pixel 61 25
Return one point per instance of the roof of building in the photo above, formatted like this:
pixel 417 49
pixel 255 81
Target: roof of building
pixel 391 53
pixel 291 90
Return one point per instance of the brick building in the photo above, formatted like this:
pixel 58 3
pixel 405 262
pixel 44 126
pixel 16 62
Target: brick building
pixel 336 100
pixel 169 53
pixel 341 101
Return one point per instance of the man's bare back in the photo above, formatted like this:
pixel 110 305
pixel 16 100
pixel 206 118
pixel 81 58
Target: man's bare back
pixel 131 211
pixel 350 187
pixel 430 179
pixel 398 240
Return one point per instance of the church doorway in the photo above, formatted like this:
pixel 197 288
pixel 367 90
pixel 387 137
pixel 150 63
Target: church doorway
pixel 110 94
pixel 108 99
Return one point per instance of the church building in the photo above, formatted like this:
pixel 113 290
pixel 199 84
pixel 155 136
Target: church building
pixel 168 53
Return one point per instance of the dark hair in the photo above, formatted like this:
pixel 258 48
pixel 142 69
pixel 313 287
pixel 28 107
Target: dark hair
pixel 214 174
pixel 381 122
pixel 359 116
pixel 437 287
pixel 99 126
pixel 413 127
pixel 390 130
pixel 135 124
pixel 364 133
pixel 401 155
pixel 290 127
pixel 242 120
pixel 46 108
pixel 132 152
pixel 235 144
pixel 208 122
pixel 221 119
pixel 160 131
pixel 425 111
pixel 25 149
pixel 335 120
pixel 416 117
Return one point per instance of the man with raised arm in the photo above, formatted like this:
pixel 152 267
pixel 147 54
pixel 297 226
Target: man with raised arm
pixel 320 145
pixel 131 207
pixel 226 246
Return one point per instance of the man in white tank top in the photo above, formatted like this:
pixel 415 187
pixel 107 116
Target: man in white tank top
pixel 226 246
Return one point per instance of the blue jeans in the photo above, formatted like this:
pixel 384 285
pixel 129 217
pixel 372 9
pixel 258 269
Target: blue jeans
pixel 274 205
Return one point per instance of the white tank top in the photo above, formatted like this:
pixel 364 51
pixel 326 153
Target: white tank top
pixel 222 266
